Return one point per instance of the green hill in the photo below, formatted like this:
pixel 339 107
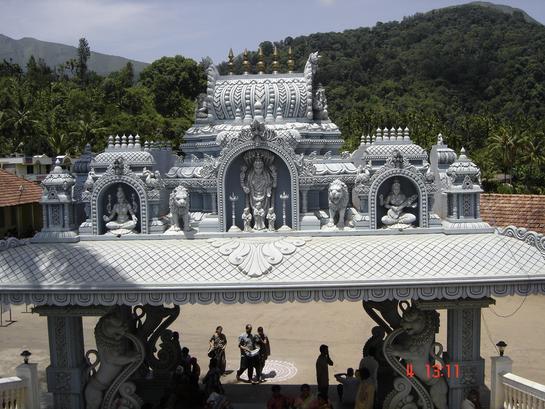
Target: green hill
pixel 19 51
pixel 475 73
pixel 505 9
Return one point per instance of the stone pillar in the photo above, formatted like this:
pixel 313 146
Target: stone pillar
pixel 308 220
pixel 463 347
pixel 66 374
pixel 29 372
pixel 500 365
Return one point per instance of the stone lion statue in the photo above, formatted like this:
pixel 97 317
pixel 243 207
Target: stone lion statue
pixel 179 209
pixel 113 356
pixel 337 195
pixel 416 349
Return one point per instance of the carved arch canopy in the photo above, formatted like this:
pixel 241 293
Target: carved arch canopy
pixel 380 180
pixel 118 176
pixel 231 159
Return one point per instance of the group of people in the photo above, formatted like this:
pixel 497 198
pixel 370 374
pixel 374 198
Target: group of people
pixel 305 399
pixel 356 388
pixel 254 351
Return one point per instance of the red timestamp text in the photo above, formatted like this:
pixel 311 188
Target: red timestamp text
pixel 436 371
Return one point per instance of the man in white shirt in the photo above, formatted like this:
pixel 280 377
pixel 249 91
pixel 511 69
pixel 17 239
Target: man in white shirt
pixel 348 386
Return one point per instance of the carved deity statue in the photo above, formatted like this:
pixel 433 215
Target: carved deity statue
pixel 319 104
pixel 258 181
pixel 247 219
pixel 201 111
pixel 259 216
pixel 396 202
pixel 113 357
pixel 122 217
pixel 271 218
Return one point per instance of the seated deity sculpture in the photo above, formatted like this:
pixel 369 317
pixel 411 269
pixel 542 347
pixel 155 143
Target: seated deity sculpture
pixel 122 218
pixel 258 181
pixel 396 202
pixel 259 216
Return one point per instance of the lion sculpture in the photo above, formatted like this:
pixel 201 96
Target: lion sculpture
pixel 179 209
pixel 416 349
pixel 113 356
pixel 337 196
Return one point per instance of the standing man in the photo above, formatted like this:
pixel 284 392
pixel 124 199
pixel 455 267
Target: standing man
pixel 262 341
pixel 246 344
pixel 322 370
pixel 216 348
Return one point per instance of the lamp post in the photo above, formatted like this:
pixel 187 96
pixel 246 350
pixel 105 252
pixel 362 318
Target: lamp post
pixel 501 347
pixel 25 354
pixel 284 196
pixel 233 198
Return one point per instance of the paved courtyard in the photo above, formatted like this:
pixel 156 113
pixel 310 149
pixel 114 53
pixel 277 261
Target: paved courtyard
pixel 296 331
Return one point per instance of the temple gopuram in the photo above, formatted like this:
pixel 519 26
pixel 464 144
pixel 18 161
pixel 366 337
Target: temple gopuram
pixel 265 207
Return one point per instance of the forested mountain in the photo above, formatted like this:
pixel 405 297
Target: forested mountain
pixel 53 54
pixel 476 74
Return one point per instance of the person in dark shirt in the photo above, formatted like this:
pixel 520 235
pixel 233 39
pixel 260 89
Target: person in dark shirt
pixel 322 370
pixel 246 344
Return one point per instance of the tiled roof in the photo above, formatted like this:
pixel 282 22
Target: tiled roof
pixel 526 211
pixel 382 266
pixel 11 193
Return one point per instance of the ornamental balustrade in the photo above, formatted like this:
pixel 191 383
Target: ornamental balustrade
pixel 521 393
pixel 13 391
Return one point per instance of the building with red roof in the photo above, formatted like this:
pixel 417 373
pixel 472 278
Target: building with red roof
pixel 20 210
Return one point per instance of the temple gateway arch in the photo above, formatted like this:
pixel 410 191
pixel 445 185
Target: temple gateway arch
pixel 265 207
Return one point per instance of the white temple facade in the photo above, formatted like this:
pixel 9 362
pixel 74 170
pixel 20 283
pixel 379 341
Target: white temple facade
pixel 265 207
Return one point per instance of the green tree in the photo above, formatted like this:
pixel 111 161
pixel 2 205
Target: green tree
pixel 84 52
pixel 174 81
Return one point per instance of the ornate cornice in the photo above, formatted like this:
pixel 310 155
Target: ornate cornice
pixel 275 295
pixel 532 238
pixel 12 242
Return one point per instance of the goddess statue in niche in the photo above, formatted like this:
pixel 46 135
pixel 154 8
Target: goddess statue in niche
pixel 396 202
pixel 118 221
pixel 258 180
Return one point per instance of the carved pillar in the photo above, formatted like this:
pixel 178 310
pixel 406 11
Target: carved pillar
pixel 463 346
pixel 213 200
pixel 304 201
pixel 65 375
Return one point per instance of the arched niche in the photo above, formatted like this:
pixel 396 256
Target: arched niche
pixel 107 185
pixel 229 180
pixel 109 194
pixel 410 185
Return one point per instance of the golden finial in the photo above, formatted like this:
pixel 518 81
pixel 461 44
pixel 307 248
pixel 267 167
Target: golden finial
pixel 245 62
pixel 260 63
pixel 275 61
pixel 291 63
pixel 231 57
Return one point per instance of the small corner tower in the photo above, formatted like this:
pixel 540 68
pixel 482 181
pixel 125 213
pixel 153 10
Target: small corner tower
pixel 58 205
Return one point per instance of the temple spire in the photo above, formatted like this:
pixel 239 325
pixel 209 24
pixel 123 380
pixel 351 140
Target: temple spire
pixel 260 63
pixel 291 63
pixel 245 62
pixel 275 60
pixel 230 64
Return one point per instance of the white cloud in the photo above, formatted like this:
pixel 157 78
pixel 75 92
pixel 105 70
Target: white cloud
pixel 328 2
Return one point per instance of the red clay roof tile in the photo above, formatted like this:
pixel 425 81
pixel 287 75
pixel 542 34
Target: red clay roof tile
pixel 15 190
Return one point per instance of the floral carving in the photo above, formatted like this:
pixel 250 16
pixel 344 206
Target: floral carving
pixel 256 257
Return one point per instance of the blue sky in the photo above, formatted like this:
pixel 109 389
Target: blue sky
pixel 146 30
